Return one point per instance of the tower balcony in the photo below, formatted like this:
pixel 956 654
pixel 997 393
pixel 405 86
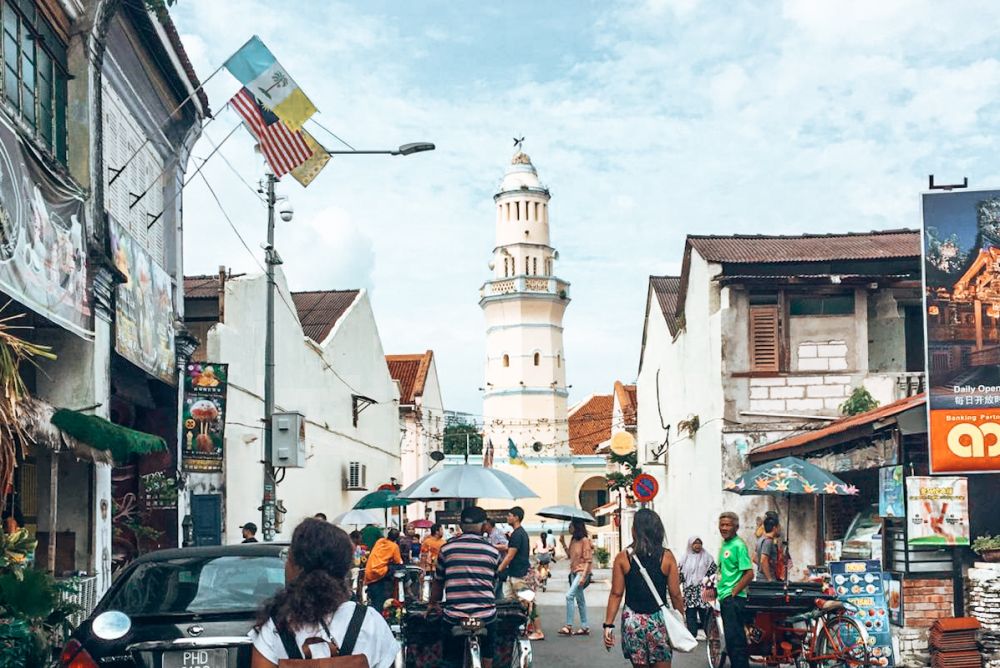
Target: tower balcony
pixel 525 286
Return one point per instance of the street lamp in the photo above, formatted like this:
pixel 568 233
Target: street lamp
pixel 405 149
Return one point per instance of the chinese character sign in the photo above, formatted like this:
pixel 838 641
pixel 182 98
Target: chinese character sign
pixel 204 415
pixel 937 510
pixel 962 310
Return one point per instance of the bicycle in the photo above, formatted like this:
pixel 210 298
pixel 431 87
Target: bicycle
pixel 824 636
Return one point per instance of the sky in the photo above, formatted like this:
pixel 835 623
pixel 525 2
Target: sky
pixel 648 120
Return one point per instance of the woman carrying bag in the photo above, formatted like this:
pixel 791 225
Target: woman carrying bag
pixel 311 622
pixel 646 575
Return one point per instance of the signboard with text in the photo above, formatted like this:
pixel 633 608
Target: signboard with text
pixel 937 510
pixel 962 312
pixel 204 416
pixel 891 496
pixel 862 584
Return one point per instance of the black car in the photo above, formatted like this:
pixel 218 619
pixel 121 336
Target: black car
pixel 186 608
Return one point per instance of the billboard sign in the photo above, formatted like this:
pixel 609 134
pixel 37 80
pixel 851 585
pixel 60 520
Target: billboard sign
pixel 962 311
pixel 204 416
pixel 937 510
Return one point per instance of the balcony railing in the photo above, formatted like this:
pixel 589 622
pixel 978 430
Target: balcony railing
pixel 989 356
pixel 527 284
pixel 910 384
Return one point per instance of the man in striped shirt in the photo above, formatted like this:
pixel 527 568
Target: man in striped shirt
pixel 466 576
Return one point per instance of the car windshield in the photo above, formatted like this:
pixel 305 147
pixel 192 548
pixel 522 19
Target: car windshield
pixel 199 585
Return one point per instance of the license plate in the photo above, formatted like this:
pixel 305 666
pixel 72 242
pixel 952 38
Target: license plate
pixel 196 658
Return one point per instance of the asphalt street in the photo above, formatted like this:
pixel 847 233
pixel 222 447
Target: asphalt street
pixel 586 651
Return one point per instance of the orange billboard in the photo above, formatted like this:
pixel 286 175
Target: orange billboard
pixel 961 247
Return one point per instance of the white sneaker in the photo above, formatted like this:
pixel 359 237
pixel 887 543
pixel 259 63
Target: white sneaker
pixel 701 635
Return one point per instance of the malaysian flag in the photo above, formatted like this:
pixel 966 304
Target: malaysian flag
pixel 284 149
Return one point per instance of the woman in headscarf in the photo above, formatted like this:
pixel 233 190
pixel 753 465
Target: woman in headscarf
pixel 696 565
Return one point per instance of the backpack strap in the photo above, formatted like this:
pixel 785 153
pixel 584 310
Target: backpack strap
pixel 353 629
pixel 288 640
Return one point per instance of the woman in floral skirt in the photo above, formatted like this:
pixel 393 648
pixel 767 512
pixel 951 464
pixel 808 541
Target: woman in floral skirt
pixel 645 642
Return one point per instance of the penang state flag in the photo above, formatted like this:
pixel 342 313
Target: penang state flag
pixel 257 69
pixel 284 149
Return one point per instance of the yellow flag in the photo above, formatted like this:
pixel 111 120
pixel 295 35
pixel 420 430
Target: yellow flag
pixel 308 170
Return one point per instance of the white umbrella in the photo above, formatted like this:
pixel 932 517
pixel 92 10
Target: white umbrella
pixel 567 513
pixel 467 482
pixel 358 518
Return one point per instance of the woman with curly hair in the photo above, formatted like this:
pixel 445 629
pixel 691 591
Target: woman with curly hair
pixel 313 615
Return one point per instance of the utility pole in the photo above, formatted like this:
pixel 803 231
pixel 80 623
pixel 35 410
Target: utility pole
pixel 270 486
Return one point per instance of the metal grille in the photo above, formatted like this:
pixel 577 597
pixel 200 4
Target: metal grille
pixel 84 594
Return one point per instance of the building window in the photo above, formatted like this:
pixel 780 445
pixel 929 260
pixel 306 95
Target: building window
pixel 536 211
pixel 506 360
pixel 538 359
pixel 558 361
pixel 534 266
pixel 765 342
pixel 548 266
pixel 34 74
pixel 506 267
pixel 527 267
pixel 517 210
pixel 824 305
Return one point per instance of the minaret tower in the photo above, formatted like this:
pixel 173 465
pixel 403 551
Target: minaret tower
pixel 525 392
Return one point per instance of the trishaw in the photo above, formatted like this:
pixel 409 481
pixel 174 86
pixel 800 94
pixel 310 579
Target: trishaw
pixel 796 624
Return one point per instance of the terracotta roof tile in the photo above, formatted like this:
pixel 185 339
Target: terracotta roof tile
pixel 740 249
pixel 627 400
pixel 411 373
pixel 320 310
pixel 201 287
pixel 781 448
pixel 590 424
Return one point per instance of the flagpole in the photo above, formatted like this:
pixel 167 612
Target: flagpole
pixel 118 171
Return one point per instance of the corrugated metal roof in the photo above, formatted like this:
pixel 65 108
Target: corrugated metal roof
pixel 666 289
pixel 320 310
pixel 590 424
pixel 741 249
pixel 780 448
pixel 411 373
pixel 201 287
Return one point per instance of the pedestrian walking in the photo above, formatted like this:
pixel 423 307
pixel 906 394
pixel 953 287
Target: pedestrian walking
pixel 249 531
pixel 379 568
pixel 315 605
pixel 581 564
pixel 515 568
pixel 645 641
pixel 696 565
pixel 735 573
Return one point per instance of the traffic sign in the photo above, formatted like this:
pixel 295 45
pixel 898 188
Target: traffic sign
pixel 645 487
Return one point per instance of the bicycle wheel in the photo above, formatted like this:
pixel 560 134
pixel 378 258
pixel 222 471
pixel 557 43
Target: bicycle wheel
pixel 840 643
pixel 713 644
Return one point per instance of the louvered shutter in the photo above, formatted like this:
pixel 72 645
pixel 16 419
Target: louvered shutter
pixel 765 348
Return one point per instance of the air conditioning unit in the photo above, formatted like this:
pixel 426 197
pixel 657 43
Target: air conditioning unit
pixel 357 477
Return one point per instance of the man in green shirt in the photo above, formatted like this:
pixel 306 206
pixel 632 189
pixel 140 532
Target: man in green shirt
pixel 735 573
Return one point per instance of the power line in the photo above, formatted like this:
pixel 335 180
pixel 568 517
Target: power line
pixel 329 132
pixel 256 193
pixel 229 220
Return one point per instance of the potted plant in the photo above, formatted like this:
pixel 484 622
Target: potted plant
pixel 987 547
pixel 603 556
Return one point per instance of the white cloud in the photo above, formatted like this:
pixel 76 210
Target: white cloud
pixel 650 121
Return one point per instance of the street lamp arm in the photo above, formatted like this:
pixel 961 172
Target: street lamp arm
pixel 405 149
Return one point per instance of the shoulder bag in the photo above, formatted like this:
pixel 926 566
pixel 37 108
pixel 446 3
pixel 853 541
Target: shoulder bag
pixel 677 632
pixel 340 657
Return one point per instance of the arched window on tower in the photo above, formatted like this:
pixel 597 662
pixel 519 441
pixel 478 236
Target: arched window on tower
pixel 517 210
pixel 506 360
pixel 527 266
pixel 534 266
pixel 558 360
pixel 507 210
pixel 536 211
pixel 538 359
pixel 548 266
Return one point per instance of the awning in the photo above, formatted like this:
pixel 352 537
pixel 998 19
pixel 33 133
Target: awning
pixel 851 428
pixel 107 436
pixel 606 509
pixel 35 417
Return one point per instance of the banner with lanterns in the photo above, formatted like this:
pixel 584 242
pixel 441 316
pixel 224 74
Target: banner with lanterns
pixel 962 310
pixel 203 438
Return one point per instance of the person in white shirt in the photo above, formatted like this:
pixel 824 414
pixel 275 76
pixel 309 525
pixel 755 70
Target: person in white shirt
pixel 316 604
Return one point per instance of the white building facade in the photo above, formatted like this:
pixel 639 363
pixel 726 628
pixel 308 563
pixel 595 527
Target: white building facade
pixel 330 367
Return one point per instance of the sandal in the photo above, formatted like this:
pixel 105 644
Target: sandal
pixel 535 637
pixel 582 632
pixel 566 631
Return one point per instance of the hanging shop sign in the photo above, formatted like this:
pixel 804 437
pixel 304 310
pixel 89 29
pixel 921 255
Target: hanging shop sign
pixel 962 312
pixel 862 584
pixel 891 496
pixel 144 309
pixel 42 257
pixel 937 510
pixel 204 415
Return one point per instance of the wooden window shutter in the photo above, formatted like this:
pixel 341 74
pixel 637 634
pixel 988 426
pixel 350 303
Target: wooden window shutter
pixel 765 345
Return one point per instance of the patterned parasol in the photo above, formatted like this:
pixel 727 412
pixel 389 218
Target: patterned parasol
pixel 789 476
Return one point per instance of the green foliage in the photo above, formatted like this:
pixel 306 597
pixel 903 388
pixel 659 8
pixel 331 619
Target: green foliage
pixel 860 401
pixel 455 438
pixel 622 480
pixel 603 556
pixel 689 426
pixel 986 543
pixel 34 614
